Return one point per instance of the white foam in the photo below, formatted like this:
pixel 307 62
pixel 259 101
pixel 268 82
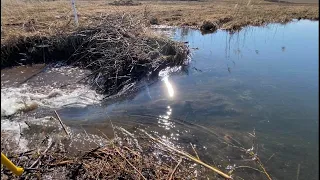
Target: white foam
pixel 162 27
pixel 12 99
pixel 11 131
pixel 28 97
pixel 169 70
pixel 15 99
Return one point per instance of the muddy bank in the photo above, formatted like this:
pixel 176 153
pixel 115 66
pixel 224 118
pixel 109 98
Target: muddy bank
pixel 119 52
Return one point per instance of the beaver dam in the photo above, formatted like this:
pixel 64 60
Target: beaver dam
pixel 119 52
pixel 121 100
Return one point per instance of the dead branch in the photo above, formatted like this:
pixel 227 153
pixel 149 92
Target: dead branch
pixel 61 123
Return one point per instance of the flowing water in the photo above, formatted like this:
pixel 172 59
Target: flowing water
pixel 261 79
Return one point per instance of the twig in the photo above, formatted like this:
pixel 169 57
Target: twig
pixel 235 140
pixel 192 158
pixel 27 124
pixel 84 131
pixel 103 134
pixel 114 133
pixel 93 150
pixel 130 163
pixel 249 168
pixel 264 170
pixel 31 169
pixel 175 168
pixel 19 133
pixel 32 76
pixel 132 151
pixel 23 153
pixel 195 151
pixel 61 123
pixel 44 152
pixel 298 171
pixel 62 163
pixel 270 157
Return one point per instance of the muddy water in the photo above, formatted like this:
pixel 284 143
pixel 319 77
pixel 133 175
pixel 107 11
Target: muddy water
pixel 262 80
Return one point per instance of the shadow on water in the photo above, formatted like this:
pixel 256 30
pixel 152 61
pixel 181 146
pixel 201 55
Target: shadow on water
pixel 262 78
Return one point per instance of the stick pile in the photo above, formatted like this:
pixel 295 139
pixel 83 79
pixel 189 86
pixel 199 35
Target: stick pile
pixel 119 52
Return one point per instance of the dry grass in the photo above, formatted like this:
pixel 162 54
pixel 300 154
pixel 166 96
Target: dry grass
pixel 27 18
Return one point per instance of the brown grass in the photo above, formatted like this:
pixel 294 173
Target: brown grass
pixel 45 18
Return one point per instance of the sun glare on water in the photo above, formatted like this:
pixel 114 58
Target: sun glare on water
pixel 169 86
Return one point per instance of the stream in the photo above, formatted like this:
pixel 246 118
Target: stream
pixel 260 80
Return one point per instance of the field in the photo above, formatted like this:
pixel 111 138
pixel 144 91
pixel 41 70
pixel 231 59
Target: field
pixel 45 18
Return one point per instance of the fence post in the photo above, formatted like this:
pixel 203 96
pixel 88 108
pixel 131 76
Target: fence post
pixel 73 3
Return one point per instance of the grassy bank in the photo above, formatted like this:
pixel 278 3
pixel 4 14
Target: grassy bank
pixel 47 18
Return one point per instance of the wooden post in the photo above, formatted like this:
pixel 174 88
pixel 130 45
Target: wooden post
pixel 73 3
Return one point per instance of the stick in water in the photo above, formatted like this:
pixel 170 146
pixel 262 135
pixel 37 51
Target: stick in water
pixel 64 128
pixel 195 151
pixel 175 168
pixel 191 158
pixel 298 171
pixel 44 152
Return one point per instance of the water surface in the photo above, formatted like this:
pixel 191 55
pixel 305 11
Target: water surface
pixel 262 78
